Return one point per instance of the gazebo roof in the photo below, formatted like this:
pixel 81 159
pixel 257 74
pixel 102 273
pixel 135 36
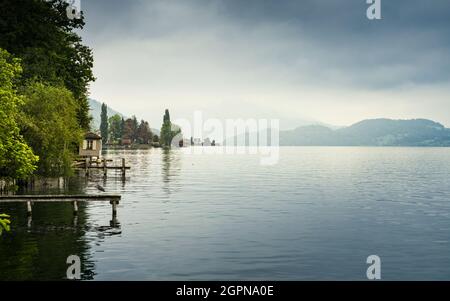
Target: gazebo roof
pixel 92 136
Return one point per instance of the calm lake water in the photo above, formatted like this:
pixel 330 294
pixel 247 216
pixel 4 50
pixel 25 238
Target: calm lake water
pixel 316 215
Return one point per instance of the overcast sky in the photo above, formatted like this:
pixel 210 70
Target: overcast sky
pixel 299 60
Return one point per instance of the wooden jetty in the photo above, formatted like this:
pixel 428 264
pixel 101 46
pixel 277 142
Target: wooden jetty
pixel 74 199
pixel 88 164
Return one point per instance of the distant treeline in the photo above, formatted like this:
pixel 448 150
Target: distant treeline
pixel 117 130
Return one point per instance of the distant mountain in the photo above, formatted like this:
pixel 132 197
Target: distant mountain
pixel 95 109
pixel 374 132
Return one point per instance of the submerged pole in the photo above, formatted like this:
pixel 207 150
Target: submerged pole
pixel 114 208
pixel 29 208
pixel 123 167
pixel 105 168
pixel 75 207
pixel 86 167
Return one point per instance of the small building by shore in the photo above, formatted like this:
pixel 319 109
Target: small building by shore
pixel 91 146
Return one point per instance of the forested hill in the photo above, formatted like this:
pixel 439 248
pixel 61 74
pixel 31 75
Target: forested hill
pixel 95 109
pixel 373 132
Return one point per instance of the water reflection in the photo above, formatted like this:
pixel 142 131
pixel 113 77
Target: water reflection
pixel 38 246
pixel 170 167
pixel 316 215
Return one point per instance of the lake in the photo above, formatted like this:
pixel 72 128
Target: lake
pixel 316 215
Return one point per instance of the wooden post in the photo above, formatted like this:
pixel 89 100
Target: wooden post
pixel 114 208
pixel 75 207
pixel 114 222
pixel 29 208
pixel 86 168
pixel 123 167
pixel 105 168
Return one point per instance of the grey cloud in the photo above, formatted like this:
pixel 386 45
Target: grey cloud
pixel 262 46
pixel 342 46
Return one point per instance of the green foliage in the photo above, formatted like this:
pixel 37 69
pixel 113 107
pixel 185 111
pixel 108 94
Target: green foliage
pixel 39 32
pixel 144 133
pixel 168 131
pixel 4 223
pixel 16 157
pixel 122 128
pixel 134 128
pixel 50 126
pixel 104 123
pixel 128 130
pixel 136 132
pixel 115 127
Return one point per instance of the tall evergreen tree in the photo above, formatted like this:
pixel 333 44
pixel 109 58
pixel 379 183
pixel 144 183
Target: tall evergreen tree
pixel 134 128
pixel 167 130
pixel 104 123
pixel 122 128
pixel 115 132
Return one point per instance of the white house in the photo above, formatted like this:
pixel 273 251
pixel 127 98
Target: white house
pixel 91 146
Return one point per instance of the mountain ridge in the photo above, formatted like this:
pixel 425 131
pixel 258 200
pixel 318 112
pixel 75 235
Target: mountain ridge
pixel 95 109
pixel 371 132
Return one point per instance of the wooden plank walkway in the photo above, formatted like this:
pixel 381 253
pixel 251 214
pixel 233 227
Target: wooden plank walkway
pixel 113 199
pixel 101 164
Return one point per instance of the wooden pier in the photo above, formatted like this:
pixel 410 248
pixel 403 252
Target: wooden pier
pixel 88 164
pixel 74 199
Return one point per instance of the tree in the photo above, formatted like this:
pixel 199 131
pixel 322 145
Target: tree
pixel 166 128
pixel 168 131
pixel 144 133
pixel 104 123
pixel 50 126
pixel 115 127
pixel 40 33
pixel 134 128
pixel 17 159
pixel 122 127
pixel 128 132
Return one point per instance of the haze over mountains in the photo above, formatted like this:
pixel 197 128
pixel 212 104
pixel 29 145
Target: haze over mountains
pixel 372 132
pixel 95 109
